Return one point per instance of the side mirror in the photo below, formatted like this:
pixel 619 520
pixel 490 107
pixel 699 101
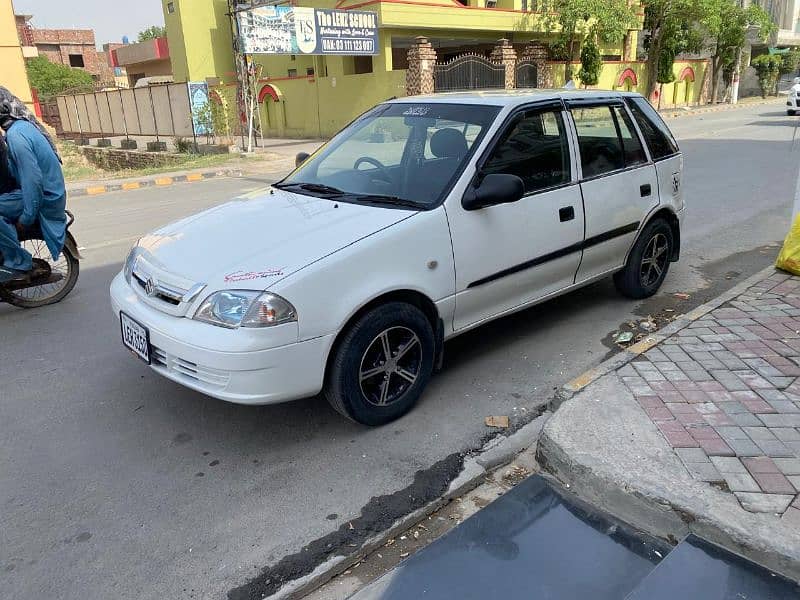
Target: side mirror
pixel 300 158
pixel 496 188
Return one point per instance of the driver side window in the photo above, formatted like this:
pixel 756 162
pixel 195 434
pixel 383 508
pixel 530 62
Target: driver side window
pixel 534 148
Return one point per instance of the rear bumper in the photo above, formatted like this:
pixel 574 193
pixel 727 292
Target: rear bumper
pixel 263 376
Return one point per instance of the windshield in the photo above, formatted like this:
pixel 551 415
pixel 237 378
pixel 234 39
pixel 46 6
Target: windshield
pixel 406 154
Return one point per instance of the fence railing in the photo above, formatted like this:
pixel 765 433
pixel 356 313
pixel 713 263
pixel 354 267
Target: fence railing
pixel 159 111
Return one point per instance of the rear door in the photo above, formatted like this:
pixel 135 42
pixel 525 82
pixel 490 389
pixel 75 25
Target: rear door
pixel 664 151
pixel 618 183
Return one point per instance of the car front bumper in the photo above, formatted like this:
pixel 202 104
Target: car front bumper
pixel 792 103
pixel 184 351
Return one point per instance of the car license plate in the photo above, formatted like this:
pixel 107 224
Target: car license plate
pixel 135 336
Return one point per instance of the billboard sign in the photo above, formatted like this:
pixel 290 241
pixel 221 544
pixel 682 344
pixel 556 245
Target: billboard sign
pixel 198 101
pixel 305 30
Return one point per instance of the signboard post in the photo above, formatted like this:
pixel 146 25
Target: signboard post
pixel 305 30
pixel 198 101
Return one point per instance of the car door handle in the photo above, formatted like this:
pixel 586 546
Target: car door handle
pixel 566 214
pixel 645 190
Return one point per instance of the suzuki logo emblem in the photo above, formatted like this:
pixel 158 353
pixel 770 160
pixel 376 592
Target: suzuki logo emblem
pixel 150 286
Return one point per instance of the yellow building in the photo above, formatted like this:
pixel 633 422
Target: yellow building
pixel 306 95
pixel 12 72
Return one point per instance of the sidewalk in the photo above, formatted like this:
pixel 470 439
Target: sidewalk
pixel 699 110
pixel 697 430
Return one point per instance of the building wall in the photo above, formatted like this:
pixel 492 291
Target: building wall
pixel 200 40
pixel 58 44
pixel 12 73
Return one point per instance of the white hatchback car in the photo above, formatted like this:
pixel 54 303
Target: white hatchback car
pixel 424 218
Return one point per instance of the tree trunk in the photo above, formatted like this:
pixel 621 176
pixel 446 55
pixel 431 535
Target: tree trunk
pixel 660 94
pixel 715 68
pixel 568 62
pixel 651 66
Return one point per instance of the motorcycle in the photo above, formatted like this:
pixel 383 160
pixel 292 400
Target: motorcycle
pixel 56 282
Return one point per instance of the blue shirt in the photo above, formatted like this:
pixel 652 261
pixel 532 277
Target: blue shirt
pixel 37 170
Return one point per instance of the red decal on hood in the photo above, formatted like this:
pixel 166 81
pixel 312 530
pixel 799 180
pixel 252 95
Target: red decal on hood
pixel 250 275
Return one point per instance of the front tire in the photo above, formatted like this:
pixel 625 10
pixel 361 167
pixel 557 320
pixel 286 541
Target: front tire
pixel 67 266
pixel 382 364
pixel 790 112
pixel 648 262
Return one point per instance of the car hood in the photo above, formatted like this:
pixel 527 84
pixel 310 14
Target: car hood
pixel 254 242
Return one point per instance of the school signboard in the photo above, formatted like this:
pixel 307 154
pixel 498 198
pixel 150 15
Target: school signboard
pixel 304 30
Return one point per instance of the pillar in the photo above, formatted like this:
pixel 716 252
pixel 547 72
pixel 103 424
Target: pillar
pixel 537 54
pixel 419 75
pixel 504 54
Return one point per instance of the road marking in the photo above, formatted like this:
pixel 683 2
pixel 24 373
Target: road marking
pixel 164 181
pixel 131 185
pixel 194 177
pixel 95 190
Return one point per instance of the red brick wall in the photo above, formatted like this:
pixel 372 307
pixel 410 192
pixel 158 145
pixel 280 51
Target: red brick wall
pixel 58 44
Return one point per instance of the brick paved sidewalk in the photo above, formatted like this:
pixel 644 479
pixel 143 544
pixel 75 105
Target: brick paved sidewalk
pixel 725 393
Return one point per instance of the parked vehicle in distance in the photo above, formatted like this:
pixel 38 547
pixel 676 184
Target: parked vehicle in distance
pixel 426 217
pixel 793 99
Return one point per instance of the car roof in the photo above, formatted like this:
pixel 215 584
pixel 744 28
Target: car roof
pixel 514 97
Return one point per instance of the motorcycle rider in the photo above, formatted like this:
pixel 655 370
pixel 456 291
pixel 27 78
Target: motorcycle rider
pixel 34 163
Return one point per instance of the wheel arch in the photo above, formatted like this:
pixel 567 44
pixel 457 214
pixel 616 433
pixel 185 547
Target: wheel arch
pixel 408 296
pixel 665 214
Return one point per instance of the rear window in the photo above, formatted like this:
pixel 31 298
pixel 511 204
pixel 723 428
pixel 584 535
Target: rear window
pixel 655 131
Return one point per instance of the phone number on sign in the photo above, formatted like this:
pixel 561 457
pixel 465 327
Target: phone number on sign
pixel 330 45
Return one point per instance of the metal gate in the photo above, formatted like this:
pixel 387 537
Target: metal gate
pixel 527 74
pixel 468 72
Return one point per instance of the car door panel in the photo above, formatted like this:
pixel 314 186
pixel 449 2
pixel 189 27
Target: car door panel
pixel 511 254
pixel 619 185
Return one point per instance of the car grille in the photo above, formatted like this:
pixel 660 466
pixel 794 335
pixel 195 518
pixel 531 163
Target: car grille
pixel 184 368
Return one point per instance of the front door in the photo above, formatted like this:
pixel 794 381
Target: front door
pixel 511 254
pixel 619 184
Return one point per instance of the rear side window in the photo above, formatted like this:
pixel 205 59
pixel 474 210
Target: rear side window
pixel 655 131
pixel 598 140
pixel 631 144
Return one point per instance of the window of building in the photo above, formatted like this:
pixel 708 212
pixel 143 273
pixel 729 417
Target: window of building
pixel 76 60
pixel 292 57
pixel 170 7
pixel 310 71
pixel 535 149
pixel 362 64
pixel 399 59
pixel 292 72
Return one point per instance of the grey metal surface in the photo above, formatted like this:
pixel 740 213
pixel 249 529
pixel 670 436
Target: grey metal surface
pixel 698 569
pixel 531 543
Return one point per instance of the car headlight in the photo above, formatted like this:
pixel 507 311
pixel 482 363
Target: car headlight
pixel 245 308
pixel 130 263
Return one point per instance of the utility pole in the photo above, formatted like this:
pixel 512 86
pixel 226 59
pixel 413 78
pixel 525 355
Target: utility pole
pixel 735 81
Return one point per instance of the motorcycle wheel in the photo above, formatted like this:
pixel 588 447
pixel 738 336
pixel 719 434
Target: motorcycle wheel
pixel 67 266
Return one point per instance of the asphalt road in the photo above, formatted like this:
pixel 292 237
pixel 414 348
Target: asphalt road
pixel 116 483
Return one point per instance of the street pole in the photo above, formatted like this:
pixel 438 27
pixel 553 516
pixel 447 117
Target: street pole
pixel 735 82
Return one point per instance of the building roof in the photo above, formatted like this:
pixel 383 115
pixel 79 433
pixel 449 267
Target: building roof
pixel 497 97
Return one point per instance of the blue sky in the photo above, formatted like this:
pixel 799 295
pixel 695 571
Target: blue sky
pixel 110 19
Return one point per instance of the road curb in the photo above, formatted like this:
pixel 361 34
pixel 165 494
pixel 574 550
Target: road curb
pixel 572 387
pixel 677 112
pixel 154 181
pixel 496 453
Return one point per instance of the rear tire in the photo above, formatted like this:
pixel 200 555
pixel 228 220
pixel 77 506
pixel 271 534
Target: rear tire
pixel 23 299
pixel 790 112
pixel 368 386
pixel 648 262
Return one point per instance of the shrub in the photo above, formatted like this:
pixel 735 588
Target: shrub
pixel 768 67
pixel 51 79
pixel 591 63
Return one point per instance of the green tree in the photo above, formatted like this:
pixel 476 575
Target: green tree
pixel 606 20
pixel 671 30
pixel 726 24
pixel 591 63
pixel 51 79
pixel 152 32
pixel 768 68
pixel 790 61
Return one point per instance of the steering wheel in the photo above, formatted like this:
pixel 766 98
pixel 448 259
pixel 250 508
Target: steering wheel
pixel 387 177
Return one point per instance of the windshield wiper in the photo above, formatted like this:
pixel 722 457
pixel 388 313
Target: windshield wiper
pixel 317 188
pixel 392 200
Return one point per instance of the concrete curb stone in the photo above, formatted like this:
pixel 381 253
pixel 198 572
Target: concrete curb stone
pixel 155 180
